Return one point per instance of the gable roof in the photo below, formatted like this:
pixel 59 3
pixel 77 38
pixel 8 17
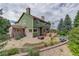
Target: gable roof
pixel 33 18
pixel 20 17
pixel 40 19
pixel 17 26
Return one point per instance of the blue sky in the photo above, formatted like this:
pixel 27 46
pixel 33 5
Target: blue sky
pixel 52 11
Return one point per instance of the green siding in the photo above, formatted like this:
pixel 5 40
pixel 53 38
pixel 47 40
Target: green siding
pixel 38 23
pixel 27 21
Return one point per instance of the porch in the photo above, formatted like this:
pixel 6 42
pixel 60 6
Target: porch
pixel 18 31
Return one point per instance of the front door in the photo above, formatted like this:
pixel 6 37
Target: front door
pixel 40 30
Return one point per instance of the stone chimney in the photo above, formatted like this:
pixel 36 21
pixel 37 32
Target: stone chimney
pixel 42 17
pixel 28 11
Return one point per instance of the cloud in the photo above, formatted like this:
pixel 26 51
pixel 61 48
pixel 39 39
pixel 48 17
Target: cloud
pixel 52 11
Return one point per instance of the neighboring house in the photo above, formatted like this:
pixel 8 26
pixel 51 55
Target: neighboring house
pixel 33 26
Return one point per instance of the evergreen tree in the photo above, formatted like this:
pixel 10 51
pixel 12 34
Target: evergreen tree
pixel 67 24
pixel 60 25
pixel 76 20
pixel 73 37
pixel 4 26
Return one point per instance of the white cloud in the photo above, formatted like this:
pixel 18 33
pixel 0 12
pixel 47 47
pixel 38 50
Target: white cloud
pixel 51 11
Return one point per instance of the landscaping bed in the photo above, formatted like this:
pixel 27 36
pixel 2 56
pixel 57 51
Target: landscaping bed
pixel 43 44
pixel 35 46
pixel 31 51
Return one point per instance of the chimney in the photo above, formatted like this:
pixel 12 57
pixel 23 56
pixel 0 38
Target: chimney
pixel 42 17
pixel 28 11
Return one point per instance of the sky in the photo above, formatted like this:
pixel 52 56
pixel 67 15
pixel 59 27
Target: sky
pixel 53 12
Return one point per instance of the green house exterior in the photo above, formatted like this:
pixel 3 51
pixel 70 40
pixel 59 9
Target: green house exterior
pixel 35 25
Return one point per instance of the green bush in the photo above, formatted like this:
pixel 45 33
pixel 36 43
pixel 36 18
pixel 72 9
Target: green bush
pixel 4 37
pixel 19 37
pixel 4 26
pixel 50 42
pixel 62 33
pixel 9 52
pixel 33 52
pixel 74 41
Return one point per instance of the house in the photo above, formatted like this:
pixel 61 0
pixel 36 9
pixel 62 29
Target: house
pixel 32 25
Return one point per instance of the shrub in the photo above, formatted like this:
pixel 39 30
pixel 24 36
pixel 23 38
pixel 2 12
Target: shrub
pixel 4 37
pixel 9 52
pixel 74 41
pixel 51 42
pixel 55 41
pixel 19 37
pixel 4 29
pixel 62 33
pixel 13 51
pixel 33 52
pixel 47 43
pixel 4 26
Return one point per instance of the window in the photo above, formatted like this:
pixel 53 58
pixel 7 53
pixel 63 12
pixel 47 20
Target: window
pixel 30 30
pixel 35 30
